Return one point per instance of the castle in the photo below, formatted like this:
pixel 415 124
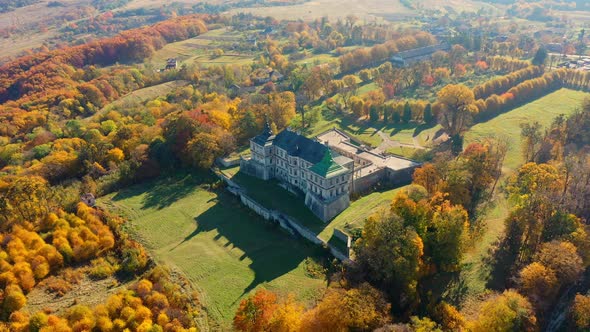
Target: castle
pixel 326 170
pixel 305 165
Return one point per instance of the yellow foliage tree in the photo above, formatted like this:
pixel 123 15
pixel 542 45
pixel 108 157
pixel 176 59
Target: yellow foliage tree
pixel 507 312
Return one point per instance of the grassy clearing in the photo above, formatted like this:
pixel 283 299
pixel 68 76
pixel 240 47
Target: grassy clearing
pixel 507 125
pixel 357 129
pixel 142 95
pixel 222 247
pixel 366 88
pixel 475 272
pixel 367 132
pixel 318 59
pixel 464 287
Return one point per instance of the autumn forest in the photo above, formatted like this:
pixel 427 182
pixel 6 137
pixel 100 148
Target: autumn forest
pixel 490 234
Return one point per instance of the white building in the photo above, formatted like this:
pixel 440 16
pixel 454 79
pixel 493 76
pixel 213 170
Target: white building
pixel 302 165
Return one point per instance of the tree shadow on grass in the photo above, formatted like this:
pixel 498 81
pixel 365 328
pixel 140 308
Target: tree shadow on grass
pixel 272 251
pixel 447 286
pixel 274 197
pixel 501 258
pixel 165 190
pixel 419 129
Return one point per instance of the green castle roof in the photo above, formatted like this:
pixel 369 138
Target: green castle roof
pixel 327 167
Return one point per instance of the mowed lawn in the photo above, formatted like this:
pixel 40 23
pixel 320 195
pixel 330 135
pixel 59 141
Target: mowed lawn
pixel 476 272
pixel 359 210
pixel 223 248
pixel 507 125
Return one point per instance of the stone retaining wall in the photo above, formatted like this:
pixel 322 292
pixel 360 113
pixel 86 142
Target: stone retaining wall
pixel 343 236
pixel 228 162
pixel 366 183
pixel 286 222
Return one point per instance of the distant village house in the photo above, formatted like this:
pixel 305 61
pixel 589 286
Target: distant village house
pixel 171 64
pixel 263 76
pixel 406 58
pixel 88 199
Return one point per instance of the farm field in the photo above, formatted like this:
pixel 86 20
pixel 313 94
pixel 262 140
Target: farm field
pixel 331 8
pixel 371 9
pixel 224 249
pixel 200 49
pixel 25 17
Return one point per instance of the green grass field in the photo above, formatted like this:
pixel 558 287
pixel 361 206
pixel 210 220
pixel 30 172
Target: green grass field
pixel 318 59
pixel 403 151
pixel 358 211
pixel 222 247
pixel 507 125
pixel 475 274
pixel 359 130
pixel 367 132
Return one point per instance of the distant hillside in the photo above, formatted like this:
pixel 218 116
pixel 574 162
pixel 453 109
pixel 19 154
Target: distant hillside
pixel 560 5
pixel 9 5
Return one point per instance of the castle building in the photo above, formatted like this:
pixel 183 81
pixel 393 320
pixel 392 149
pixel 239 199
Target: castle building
pixel 303 165
pixel 326 170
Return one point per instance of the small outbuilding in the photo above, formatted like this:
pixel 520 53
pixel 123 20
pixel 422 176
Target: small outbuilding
pixel 88 199
pixel 171 64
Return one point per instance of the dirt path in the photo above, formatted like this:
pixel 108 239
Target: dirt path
pixel 388 143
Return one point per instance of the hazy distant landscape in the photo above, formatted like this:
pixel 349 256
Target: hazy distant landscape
pixel 295 165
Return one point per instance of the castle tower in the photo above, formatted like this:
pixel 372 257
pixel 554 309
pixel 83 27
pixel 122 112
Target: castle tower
pixel 328 187
pixel 261 149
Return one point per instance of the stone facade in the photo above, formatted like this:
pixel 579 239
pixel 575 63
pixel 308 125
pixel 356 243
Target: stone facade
pixel 326 170
pixel 304 166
